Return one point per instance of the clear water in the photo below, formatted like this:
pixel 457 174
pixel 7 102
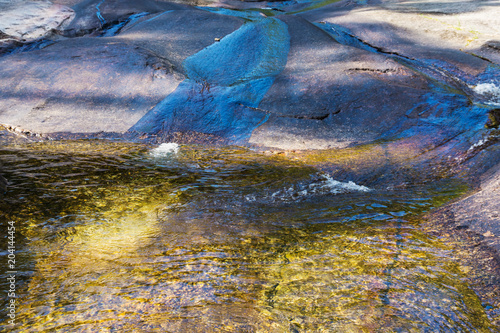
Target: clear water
pixel 117 237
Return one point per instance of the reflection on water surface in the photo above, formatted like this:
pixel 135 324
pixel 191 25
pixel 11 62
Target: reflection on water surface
pixel 114 238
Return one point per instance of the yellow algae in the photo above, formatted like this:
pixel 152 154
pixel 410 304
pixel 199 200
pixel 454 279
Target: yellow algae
pixel 362 157
pixel 467 34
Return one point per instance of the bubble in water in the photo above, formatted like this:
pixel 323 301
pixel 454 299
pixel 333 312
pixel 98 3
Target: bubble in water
pixel 165 149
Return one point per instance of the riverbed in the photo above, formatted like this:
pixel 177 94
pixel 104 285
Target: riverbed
pixel 116 236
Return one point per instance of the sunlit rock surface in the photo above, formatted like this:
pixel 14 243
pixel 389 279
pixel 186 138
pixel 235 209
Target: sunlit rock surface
pixel 26 21
pixel 285 75
pixel 183 33
pixel 82 85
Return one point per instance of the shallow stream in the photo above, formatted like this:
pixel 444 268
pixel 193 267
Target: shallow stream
pixel 121 237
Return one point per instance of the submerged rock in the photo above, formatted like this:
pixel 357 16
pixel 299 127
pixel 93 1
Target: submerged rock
pixel 472 225
pixel 480 212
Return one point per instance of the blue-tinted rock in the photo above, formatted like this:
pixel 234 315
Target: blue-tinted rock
pixel 226 82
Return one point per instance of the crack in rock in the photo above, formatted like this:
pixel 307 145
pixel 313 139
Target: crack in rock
pixel 373 70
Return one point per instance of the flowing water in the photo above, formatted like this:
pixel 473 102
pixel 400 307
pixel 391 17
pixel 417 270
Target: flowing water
pixel 120 237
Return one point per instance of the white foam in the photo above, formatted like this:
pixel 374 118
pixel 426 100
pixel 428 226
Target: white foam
pixel 325 184
pixel 478 144
pixel 490 91
pixel 250 198
pixel 165 149
pixel 334 186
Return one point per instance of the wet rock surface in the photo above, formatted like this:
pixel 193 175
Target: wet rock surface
pixel 472 224
pixel 478 213
pixel 23 22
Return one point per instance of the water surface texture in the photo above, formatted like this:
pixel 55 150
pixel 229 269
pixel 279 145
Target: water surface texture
pixel 117 237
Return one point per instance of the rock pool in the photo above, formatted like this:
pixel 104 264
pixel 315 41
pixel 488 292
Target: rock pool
pixel 116 236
